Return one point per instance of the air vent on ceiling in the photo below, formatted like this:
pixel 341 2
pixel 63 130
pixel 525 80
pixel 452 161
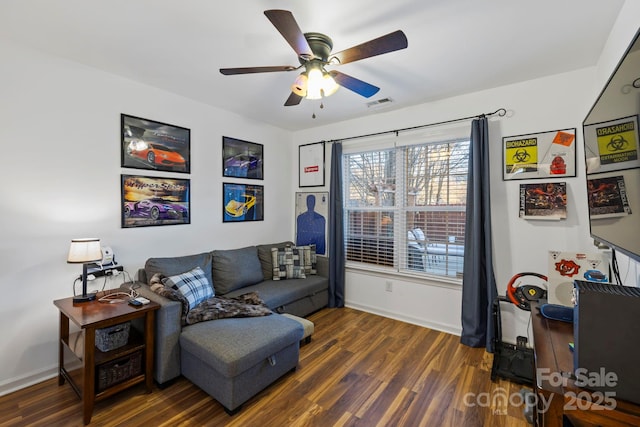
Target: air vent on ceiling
pixel 380 103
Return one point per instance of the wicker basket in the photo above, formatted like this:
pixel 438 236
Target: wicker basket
pixel 113 337
pixel 119 370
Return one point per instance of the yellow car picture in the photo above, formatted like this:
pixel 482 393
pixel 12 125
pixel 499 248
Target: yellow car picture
pixel 236 208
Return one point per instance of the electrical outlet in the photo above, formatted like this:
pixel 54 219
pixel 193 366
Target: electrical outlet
pixel 388 286
pixel 112 270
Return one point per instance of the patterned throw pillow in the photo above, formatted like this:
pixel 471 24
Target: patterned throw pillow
pixel 287 263
pixel 309 259
pixel 193 285
pixel 157 285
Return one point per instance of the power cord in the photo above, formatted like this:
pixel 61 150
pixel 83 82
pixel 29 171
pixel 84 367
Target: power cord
pixel 74 286
pixel 118 296
pixel 614 265
pixel 115 295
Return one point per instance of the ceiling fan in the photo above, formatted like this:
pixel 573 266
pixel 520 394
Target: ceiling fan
pixel 314 54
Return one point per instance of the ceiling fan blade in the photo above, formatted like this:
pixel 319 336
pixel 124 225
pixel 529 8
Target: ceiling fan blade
pixel 385 44
pixel 293 100
pixel 250 70
pixel 358 86
pixel 284 22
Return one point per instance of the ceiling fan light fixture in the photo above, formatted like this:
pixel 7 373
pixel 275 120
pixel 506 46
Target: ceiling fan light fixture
pixel 314 84
pixel 299 87
pixel 329 85
pixel 314 52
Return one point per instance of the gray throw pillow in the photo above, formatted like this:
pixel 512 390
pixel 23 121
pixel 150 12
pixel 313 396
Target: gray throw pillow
pixel 264 253
pixel 235 268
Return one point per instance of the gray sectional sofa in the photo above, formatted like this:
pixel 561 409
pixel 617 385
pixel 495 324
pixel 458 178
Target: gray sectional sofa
pixel 233 358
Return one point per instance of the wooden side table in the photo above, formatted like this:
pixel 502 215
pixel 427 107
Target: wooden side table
pixel 79 359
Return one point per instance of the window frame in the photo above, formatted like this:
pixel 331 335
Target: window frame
pixel 401 209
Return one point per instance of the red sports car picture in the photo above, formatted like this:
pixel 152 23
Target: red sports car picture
pixel 155 154
pixel 147 144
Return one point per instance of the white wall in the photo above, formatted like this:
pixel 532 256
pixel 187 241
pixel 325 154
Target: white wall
pixel 551 103
pixel 60 133
pixel 59 127
pixel 556 102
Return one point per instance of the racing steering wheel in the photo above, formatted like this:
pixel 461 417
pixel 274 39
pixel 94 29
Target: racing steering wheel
pixel 523 295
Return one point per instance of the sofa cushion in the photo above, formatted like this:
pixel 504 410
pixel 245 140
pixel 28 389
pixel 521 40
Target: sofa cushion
pixel 276 294
pixel 231 346
pixel 266 260
pixel 192 284
pixel 287 263
pixel 235 268
pixel 171 266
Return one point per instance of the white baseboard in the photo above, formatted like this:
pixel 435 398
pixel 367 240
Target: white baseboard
pixel 15 384
pixel 442 327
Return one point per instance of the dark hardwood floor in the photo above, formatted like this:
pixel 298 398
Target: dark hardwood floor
pixel 359 370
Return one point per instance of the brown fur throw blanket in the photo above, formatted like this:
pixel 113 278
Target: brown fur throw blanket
pixel 246 305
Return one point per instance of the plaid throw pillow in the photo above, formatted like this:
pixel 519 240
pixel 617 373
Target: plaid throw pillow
pixel 193 285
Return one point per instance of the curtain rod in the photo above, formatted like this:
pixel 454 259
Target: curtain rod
pixel 500 112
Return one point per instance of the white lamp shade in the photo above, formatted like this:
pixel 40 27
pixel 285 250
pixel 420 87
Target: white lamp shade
pixel 299 87
pixel 84 250
pixel 314 84
pixel 329 85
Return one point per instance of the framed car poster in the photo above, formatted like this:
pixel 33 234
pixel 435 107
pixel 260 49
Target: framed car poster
pixel 242 202
pixel 242 159
pixel 539 155
pixel 146 144
pixel 153 201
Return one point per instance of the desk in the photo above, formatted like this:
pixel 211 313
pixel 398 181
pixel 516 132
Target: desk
pixel 79 359
pixel 557 394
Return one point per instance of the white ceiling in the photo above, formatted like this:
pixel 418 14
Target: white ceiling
pixel 455 46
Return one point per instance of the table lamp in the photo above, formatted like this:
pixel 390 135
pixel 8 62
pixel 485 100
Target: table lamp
pixel 84 251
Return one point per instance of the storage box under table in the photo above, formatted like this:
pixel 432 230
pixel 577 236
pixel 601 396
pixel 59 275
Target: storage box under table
pixel 113 337
pixel 118 370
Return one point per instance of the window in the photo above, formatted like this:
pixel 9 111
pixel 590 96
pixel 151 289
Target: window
pixel 405 207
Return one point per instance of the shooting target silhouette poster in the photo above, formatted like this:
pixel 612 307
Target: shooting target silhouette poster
pixel 540 155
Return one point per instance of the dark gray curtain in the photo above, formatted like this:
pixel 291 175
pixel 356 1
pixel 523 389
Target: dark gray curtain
pixel 479 284
pixel 336 230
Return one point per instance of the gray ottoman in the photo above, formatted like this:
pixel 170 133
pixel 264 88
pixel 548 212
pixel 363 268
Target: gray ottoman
pixel 307 325
pixel 234 359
